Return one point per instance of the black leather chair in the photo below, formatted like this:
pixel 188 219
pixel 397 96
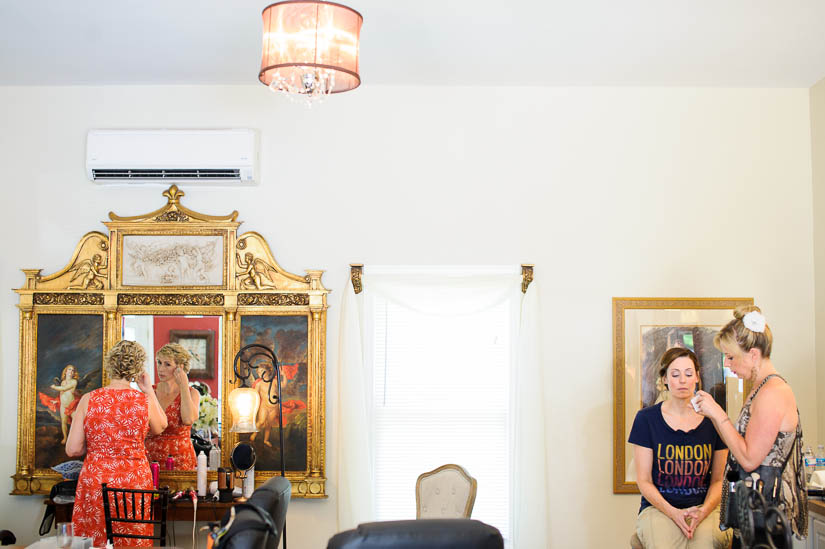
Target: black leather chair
pixel 259 522
pixel 419 534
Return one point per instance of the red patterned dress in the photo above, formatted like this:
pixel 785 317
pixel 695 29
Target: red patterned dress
pixel 116 424
pixel 174 441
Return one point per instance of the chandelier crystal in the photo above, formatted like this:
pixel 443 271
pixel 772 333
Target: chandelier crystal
pixel 310 49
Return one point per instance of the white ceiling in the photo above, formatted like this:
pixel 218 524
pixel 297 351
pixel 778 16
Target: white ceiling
pixel 750 43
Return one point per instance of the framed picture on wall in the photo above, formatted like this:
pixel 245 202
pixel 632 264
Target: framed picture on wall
pixel 643 329
pixel 201 345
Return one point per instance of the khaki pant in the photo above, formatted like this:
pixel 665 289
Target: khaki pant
pixel 657 531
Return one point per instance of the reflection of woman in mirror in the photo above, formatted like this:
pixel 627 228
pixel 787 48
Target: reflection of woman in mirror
pixel 109 427
pixel 679 461
pixel 180 402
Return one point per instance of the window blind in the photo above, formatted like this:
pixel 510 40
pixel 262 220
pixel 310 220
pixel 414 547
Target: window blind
pixel 441 395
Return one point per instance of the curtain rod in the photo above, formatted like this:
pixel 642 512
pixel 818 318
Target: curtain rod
pixel 357 269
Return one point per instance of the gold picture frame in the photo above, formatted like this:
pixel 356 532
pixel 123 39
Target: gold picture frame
pixel 643 328
pixel 240 278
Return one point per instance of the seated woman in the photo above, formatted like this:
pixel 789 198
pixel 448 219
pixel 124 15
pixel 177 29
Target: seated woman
pixel 180 402
pixel 766 440
pixel 679 462
pixel 109 427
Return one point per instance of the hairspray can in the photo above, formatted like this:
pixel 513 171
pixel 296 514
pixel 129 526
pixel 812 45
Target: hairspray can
pixel 170 463
pixel 155 467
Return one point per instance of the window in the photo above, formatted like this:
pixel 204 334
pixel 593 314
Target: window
pixel 441 394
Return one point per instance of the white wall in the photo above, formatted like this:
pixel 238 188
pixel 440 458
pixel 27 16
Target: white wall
pixel 818 171
pixel 610 192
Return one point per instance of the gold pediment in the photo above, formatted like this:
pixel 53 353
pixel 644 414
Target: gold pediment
pixel 174 212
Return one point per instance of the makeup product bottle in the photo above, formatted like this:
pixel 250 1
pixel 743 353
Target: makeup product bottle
pixel 202 474
pixel 155 468
pixel 225 484
pixel 214 458
pixel 170 463
pixel 249 483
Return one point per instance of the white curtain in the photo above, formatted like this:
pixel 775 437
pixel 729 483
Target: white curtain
pixel 448 292
pixel 356 502
pixel 529 450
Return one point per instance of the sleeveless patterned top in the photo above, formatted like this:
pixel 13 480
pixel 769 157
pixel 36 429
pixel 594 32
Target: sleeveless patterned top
pixel 785 450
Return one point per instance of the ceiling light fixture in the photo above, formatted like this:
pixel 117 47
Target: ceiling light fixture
pixel 310 48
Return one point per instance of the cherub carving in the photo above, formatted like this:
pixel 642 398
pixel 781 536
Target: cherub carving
pixel 254 272
pixel 89 272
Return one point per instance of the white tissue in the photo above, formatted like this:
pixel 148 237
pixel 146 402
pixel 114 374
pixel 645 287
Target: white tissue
pixel 695 405
pixel 817 480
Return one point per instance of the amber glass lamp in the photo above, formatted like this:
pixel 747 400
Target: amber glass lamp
pixel 244 403
pixel 310 48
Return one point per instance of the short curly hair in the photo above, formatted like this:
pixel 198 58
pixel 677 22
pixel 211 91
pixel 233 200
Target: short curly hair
pixel 126 360
pixel 177 353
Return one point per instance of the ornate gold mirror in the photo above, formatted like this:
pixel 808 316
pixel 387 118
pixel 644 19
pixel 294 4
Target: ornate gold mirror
pixel 173 275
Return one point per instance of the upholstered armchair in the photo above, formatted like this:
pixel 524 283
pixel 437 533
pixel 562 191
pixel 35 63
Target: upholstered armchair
pixel 446 492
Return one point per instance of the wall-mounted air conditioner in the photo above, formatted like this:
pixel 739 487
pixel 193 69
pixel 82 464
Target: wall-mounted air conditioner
pixel 217 157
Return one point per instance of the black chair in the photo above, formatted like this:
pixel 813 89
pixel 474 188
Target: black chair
pixel 419 534
pixel 259 522
pixel 132 506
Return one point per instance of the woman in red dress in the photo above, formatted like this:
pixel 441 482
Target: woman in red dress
pixel 109 426
pixel 180 402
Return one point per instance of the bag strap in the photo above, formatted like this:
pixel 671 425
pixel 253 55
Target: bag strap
pixel 48 519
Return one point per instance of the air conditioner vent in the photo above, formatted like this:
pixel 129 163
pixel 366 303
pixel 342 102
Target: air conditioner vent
pixel 205 157
pixel 177 174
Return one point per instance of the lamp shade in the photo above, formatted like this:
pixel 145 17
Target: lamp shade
pixel 310 47
pixel 244 403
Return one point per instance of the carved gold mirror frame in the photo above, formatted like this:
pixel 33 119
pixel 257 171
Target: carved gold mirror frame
pixel 233 277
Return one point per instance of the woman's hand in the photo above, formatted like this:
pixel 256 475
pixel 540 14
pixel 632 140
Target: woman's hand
pixel 683 520
pixel 696 514
pixel 708 407
pixel 181 379
pixel 144 382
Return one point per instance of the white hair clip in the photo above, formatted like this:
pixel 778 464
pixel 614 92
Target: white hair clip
pixel 754 321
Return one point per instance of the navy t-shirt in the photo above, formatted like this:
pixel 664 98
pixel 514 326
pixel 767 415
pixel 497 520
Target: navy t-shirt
pixel 681 460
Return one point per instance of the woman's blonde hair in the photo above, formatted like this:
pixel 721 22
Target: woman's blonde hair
pixel 735 332
pixel 126 360
pixel 177 353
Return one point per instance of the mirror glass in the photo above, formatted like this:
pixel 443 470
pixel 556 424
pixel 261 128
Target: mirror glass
pixel 243 456
pixel 201 336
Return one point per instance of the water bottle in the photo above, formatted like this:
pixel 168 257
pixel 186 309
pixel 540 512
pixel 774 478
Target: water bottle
pixel 820 457
pixel 810 463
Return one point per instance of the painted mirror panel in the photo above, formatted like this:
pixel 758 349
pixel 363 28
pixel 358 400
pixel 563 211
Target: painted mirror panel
pixel 201 337
pixel 69 365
